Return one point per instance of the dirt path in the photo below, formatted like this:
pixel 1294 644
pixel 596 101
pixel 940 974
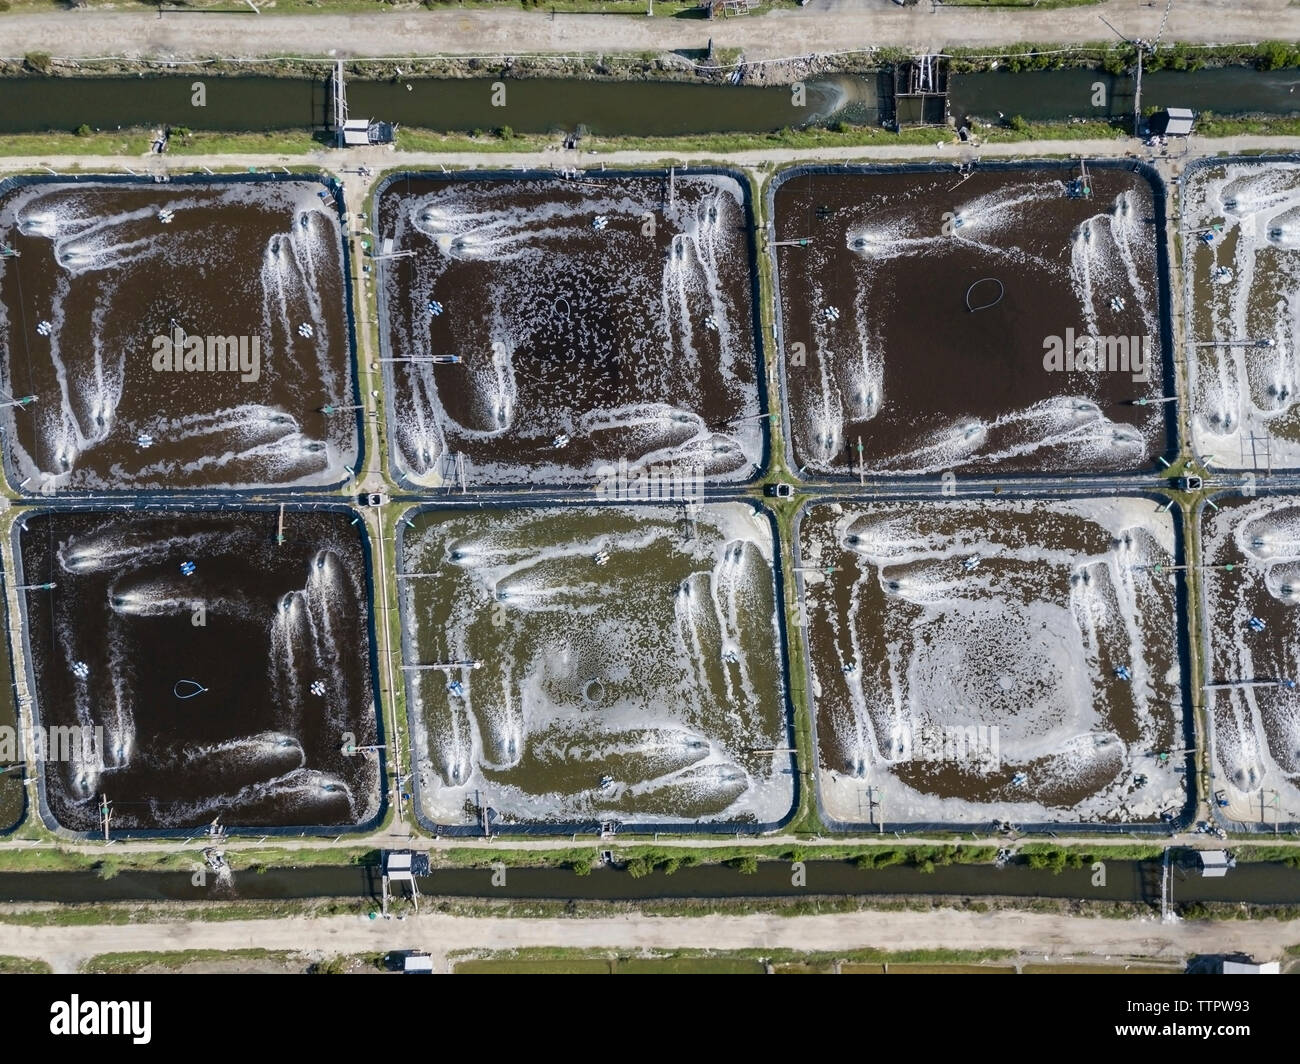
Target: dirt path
pixel 1046 936
pixel 830 27
pixel 943 149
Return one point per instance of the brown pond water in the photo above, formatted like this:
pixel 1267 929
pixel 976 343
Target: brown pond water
pixel 243 716
pixel 103 281
pixel 596 320
pixel 923 304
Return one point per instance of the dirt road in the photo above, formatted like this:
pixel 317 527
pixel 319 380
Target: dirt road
pixel 1052 936
pixel 944 149
pixel 843 25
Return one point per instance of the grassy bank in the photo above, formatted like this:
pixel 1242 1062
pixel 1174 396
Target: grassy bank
pixel 682 65
pixel 1055 859
pixel 559 961
pixel 1209 124
pixel 125 963
pixel 122 142
pixel 232 960
pixel 61 915
pixel 1116 58
pixel 839 135
pixel 255 859
pixel 22 966
pixel 642 860
pixel 842 136
pixel 55 914
pixel 139 142
pixel 128 143
pixel 1287 855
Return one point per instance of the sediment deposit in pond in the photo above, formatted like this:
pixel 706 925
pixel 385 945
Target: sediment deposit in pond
pixel 975 661
pixel 629 665
pixel 1253 645
pixel 1241 251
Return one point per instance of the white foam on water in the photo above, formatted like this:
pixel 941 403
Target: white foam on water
pixel 307 793
pixel 1065 424
pixel 264 748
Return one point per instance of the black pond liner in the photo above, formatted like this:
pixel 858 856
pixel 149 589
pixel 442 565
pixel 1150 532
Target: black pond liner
pixel 335 189
pixel 10 677
pixel 1159 195
pixel 618 827
pixel 166 506
pixel 758 360
pixel 1192 168
pixel 1181 821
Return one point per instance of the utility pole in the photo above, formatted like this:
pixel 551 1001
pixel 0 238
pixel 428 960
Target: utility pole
pixel 105 810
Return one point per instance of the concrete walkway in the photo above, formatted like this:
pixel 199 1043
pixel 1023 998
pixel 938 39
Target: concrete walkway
pixel 412 31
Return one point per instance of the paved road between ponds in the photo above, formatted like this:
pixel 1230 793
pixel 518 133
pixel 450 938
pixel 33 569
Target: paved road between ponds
pixel 824 26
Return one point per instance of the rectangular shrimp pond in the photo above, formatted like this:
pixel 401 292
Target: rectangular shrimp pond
pixel 543 330
pixel 179 335
pixel 990 321
pixel 1241 258
pixel 1251 547
pixel 216 672
pixel 979 661
pixel 574 665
